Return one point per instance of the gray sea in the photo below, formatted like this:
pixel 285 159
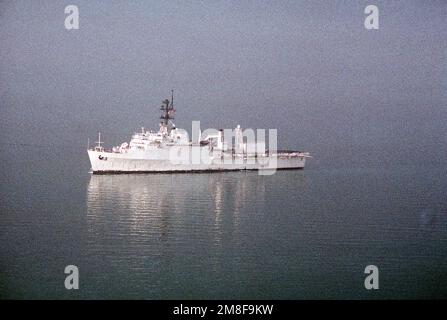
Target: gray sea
pixel 306 234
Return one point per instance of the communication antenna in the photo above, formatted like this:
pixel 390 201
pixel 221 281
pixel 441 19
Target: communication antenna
pixel 98 147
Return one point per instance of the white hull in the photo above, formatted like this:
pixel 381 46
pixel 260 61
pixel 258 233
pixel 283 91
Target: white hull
pixel 110 162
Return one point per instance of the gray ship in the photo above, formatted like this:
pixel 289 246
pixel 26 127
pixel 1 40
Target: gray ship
pixel 170 150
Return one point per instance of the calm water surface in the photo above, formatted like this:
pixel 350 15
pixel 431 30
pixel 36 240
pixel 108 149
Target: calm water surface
pixel 294 235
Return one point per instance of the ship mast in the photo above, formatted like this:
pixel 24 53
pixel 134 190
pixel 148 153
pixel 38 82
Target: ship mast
pixel 98 143
pixel 168 111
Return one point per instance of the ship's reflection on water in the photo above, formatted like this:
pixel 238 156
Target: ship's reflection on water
pixel 171 230
pixel 164 203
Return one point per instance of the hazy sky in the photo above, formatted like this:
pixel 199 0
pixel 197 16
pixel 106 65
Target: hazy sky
pixel 308 68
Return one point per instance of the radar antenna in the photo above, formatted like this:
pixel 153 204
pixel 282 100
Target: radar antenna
pixel 168 110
